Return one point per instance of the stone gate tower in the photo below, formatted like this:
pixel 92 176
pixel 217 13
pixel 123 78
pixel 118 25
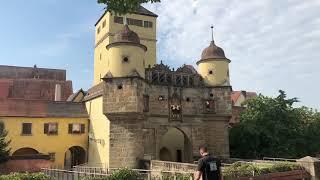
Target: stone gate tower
pixel 142 110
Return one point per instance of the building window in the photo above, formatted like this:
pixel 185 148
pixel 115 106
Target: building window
pixel 135 22
pixel 98 31
pixel 51 128
pixel 100 56
pixel 118 20
pixel 52 156
pixel 147 24
pixel 76 128
pixel 120 86
pixel 210 72
pixel 210 106
pixel 104 24
pixel 125 60
pixel 26 128
pixel 146 103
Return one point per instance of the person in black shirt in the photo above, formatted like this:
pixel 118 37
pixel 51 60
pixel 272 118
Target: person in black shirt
pixel 208 166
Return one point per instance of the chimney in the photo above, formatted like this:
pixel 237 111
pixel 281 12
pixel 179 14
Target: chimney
pixel 57 95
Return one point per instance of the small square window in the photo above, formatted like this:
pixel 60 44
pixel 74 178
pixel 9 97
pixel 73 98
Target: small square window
pixel 118 20
pixel 210 72
pixel 147 24
pixel 26 128
pixel 76 128
pixel 51 128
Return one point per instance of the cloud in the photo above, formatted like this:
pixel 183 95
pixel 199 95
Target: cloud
pixel 272 44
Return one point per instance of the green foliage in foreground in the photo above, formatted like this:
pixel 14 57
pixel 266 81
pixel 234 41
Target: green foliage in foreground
pixel 124 6
pixel 25 176
pixel 274 127
pixel 249 169
pixel 121 174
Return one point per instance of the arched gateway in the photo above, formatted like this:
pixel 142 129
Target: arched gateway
pixel 175 146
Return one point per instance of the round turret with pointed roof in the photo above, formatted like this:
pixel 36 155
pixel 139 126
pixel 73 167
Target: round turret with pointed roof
pixel 213 52
pixel 127 37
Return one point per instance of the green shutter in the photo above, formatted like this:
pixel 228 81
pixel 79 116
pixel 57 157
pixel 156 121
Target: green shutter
pixel 83 128
pixel 45 128
pixel 70 129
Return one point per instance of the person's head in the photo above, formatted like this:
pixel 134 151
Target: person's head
pixel 203 150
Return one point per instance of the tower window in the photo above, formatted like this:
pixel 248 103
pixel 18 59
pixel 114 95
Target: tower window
pixel 211 95
pixel 125 59
pixel 188 99
pixel 147 24
pixel 98 31
pixel 118 20
pixel 120 86
pixel 210 72
pixel 135 22
pixel 104 24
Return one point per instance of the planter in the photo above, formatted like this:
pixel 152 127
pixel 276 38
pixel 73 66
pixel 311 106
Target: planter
pixel 289 175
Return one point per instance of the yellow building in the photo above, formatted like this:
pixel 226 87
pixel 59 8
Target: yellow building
pixel 37 117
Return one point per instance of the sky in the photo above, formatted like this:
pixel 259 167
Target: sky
pixel 272 44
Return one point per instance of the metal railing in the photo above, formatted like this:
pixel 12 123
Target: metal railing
pixel 85 172
pixel 279 159
pixel 59 174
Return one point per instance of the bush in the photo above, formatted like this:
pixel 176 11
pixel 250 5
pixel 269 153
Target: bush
pixel 25 176
pixel 240 169
pixel 121 174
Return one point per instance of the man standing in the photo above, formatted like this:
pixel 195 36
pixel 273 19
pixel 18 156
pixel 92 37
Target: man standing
pixel 208 166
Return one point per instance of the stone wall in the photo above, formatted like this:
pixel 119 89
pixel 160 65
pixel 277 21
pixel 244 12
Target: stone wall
pixel 126 140
pixel 136 134
pixel 123 95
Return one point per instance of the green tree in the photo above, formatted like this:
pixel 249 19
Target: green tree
pixel 272 127
pixel 4 149
pixel 124 6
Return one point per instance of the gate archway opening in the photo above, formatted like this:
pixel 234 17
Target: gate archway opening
pixel 74 156
pixel 175 146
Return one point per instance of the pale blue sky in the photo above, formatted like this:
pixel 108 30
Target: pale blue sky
pixel 272 44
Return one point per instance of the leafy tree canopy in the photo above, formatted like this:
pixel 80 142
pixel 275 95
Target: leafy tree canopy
pixel 273 127
pixel 124 6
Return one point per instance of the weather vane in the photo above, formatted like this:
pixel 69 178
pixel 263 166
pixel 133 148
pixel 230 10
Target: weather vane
pixel 212 33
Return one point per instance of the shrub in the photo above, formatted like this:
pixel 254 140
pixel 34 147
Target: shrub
pixel 121 174
pixel 25 176
pixel 240 169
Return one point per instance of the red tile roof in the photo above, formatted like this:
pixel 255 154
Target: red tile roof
pixel 36 108
pixel 236 94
